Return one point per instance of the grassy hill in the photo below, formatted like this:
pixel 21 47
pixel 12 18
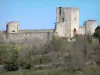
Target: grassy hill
pixel 58 57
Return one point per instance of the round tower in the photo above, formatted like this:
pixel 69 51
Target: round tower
pixel 12 27
pixel 90 27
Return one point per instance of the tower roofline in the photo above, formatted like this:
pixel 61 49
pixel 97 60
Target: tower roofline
pixel 68 7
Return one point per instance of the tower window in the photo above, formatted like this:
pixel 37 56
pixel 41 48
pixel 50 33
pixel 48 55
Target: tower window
pixel 74 32
pixel 63 19
pixel 75 19
pixel 17 27
pixel 60 11
pixel 13 31
pixel 74 29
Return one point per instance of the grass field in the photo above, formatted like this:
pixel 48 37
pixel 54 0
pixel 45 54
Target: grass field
pixel 40 72
pixel 58 71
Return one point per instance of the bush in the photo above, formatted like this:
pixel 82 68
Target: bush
pixel 9 57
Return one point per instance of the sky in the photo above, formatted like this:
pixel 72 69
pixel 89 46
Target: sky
pixel 41 14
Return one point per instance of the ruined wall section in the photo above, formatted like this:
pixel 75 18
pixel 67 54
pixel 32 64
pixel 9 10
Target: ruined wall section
pixel 28 37
pixel 81 30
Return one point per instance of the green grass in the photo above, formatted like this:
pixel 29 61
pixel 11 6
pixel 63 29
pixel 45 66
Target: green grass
pixel 55 52
pixel 57 71
pixel 40 72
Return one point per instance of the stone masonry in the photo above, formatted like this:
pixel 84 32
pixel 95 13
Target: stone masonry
pixel 67 25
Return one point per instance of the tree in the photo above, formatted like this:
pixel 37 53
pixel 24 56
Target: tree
pixel 97 33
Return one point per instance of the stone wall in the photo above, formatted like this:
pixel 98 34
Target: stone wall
pixel 81 30
pixel 36 31
pixel 27 37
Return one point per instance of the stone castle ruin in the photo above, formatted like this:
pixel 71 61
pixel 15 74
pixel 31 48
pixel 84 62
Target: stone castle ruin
pixel 67 25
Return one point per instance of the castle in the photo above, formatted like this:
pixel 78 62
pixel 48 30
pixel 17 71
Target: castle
pixel 67 21
pixel 67 25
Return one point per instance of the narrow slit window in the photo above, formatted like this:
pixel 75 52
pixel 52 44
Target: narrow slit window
pixel 13 31
pixel 60 11
pixel 63 19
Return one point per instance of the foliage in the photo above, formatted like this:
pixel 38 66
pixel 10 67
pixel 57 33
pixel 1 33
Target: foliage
pixel 9 56
pixel 97 33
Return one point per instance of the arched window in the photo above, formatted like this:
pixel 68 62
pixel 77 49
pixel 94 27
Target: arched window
pixel 74 32
pixel 74 29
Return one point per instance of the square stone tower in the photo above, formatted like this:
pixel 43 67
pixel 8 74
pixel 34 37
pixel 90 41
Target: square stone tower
pixel 67 21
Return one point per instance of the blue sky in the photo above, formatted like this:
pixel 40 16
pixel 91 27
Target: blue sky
pixel 41 14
